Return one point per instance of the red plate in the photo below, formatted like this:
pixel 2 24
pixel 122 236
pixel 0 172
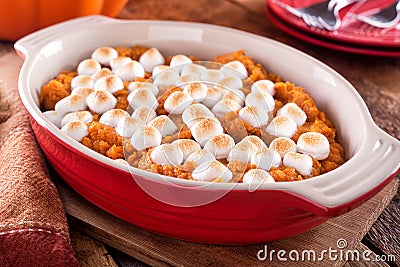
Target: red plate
pixel 329 43
pixel 351 31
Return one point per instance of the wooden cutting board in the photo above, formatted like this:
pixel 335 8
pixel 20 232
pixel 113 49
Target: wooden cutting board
pixel 157 250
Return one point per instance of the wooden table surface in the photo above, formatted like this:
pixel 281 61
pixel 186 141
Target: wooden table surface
pixel 368 74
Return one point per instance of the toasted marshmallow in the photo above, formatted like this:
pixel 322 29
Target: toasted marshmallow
pixel 197 91
pixel 130 71
pixel 54 116
pixel 283 145
pixel 302 163
pixel 164 125
pixel 235 68
pixel 144 113
pixel 194 113
pixel 82 81
pixel 88 67
pixel 242 151
pixel 167 154
pixel 84 116
pixel 266 158
pixel 204 129
pixel 145 137
pixel 76 129
pixel 168 77
pixel 256 116
pixel 224 106
pixel 200 156
pixel 293 111
pixel 257 176
pixel 231 83
pixel 260 99
pixel 178 61
pixel 119 61
pixel 127 126
pixel 282 126
pixel 187 146
pixel 264 86
pixel 211 171
pixel 101 101
pixel 83 91
pixel 214 95
pixel 183 80
pixel 151 58
pixel 193 69
pixel 104 54
pixel 136 85
pixel 212 76
pixel 122 162
pixel 220 145
pixel 177 102
pixel 101 73
pixel 112 116
pixel 70 103
pixel 235 95
pixel 255 140
pixel 110 83
pixel 142 97
pixel 314 144
pixel 160 68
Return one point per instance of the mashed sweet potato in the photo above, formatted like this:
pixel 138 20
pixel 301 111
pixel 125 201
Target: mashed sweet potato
pixel 105 140
pixel 56 90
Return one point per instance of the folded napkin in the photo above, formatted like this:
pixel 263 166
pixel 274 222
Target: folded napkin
pixel 33 225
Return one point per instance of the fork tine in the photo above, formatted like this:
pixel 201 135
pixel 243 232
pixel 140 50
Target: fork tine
pixel 306 19
pixel 317 22
pixel 312 21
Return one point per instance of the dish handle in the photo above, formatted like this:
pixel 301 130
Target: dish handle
pixel 33 42
pixel 371 168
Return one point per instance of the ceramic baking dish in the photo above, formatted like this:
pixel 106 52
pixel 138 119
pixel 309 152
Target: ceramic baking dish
pixel 197 211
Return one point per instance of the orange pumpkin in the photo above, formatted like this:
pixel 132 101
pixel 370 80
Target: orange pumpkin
pixel 20 17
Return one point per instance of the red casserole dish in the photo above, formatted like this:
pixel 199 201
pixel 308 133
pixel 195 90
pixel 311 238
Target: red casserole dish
pixel 223 213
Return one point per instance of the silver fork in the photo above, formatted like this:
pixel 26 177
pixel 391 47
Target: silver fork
pixel 322 15
pixel 385 18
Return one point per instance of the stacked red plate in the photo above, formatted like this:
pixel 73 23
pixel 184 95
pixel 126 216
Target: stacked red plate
pixel 352 36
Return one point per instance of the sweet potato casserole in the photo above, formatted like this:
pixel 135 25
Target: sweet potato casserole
pixel 225 120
